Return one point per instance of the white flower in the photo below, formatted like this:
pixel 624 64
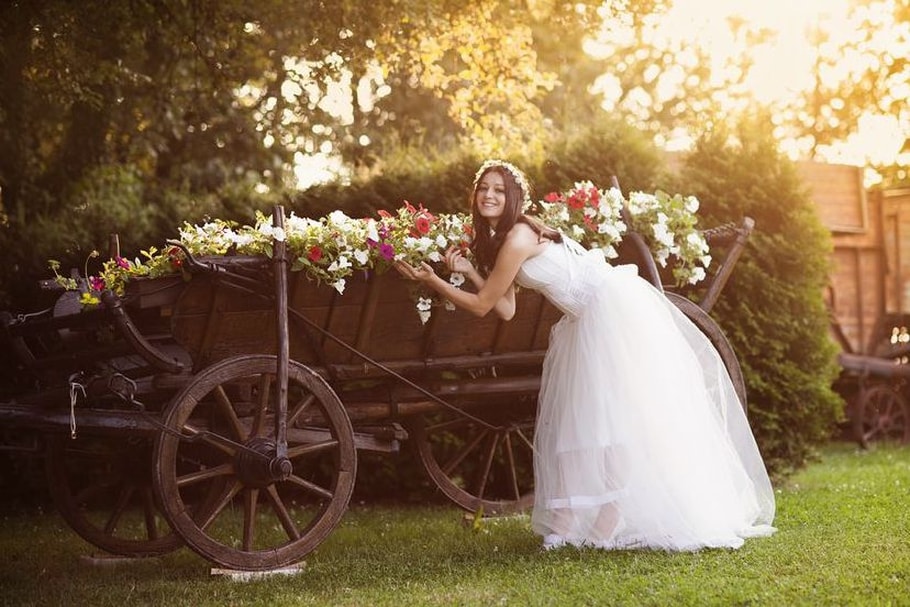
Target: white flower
pixel 424 307
pixel 362 256
pixel 697 275
pixel 271 231
pixel 340 263
pixel 662 234
pixel 372 230
pixel 692 204
pixel 456 279
pixel 339 285
pixel 449 306
pixel 706 260
pixel 338 218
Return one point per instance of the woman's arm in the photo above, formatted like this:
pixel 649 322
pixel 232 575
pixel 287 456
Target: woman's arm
pixel 519 245
pixel 456 261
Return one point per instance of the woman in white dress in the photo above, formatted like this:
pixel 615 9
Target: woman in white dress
pixel 641 441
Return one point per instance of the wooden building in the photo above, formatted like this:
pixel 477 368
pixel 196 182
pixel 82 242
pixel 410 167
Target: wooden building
pixel 869 291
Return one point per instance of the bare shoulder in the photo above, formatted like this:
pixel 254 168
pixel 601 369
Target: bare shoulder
pixel 521 236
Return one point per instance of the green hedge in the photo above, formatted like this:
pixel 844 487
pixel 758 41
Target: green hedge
pixel 772 310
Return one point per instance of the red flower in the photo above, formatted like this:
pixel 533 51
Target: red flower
pixel 175 255
pixel 97 284
pixel 552 197
pixel 315 254
pixel 576 201
pixel 383 213
pixel 422 223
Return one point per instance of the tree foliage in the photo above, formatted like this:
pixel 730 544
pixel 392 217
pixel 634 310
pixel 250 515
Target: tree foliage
pixel 772 310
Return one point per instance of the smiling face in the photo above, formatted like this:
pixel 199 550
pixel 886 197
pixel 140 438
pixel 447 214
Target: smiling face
pixel 490 197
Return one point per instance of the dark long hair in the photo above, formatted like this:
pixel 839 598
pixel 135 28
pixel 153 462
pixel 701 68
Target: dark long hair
pixel 486 243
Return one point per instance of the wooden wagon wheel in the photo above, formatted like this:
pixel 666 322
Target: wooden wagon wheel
pixel 220 439
pixel 482 469
pixel 881 412
pixel 712 331
pixel 102 486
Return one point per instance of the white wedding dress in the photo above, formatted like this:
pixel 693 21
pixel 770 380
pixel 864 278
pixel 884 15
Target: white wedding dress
pixel 641 441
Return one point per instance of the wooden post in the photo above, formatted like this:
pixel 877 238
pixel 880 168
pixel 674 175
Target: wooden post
pixel 281 464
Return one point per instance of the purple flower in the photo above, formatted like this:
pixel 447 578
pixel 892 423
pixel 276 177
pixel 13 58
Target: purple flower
pixel 387 251
pixel 96 284
pixel 123 263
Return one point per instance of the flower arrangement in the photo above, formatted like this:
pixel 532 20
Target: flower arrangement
pixel 333 248
pixel 587 214
pixel 594 217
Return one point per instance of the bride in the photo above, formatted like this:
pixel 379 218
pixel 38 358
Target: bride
pixel 640 441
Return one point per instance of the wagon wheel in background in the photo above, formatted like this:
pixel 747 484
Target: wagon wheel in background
pixel 102 486
pixel 712 331
pixel 220 439
pixel 881 413
pixel 488 470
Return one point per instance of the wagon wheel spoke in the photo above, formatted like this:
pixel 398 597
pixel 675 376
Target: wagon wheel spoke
pixel 464 451
pixel 510 465
pixel 524 439
pixel 451 424
pixel 220 503
pixel 300 450
pixel 149 509
pixel 185 480
pixel 249 517
pixel 282 512
pixel 259 417
pixel 484 471
pixel 123 500
pixel 226 408
pixel 211 438
pixel 299 409
pixel 311 487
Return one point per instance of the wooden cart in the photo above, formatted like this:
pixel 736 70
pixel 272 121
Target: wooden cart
pixel 226 412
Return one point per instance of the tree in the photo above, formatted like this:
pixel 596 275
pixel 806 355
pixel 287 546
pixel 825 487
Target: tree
pixel 861 74
pixel 772 310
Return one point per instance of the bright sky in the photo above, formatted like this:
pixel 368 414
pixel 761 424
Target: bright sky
pixel 785 67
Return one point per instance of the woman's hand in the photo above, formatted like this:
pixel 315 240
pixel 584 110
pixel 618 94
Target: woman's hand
pixel 424 272
pixel 457 262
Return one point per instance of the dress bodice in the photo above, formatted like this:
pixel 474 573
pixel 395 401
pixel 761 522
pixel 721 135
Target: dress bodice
pixel 566 274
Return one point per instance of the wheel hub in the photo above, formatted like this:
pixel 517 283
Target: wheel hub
pixel 258 466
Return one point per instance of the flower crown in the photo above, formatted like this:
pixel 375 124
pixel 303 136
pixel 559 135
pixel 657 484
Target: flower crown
pixel 513 170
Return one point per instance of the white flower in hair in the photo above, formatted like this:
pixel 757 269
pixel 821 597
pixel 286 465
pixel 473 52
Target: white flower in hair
pixel 513 170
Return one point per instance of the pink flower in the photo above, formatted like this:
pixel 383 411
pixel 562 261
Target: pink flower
pixel 387 251
pixel 96 284
pixel 121 262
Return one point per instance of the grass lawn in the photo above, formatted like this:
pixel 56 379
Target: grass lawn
pixel 843 539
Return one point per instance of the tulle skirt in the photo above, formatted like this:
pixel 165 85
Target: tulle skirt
pixel 641 441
